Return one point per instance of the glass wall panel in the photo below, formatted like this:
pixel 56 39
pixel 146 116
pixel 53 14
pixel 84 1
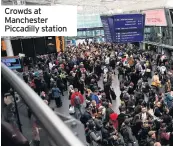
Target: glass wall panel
pixel 98 32
pixel 162 35
pixel 88 21
pixel 153 34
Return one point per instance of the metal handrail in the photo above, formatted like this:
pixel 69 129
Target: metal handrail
pixel 55 127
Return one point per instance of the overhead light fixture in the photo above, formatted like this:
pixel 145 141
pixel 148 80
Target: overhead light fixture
pixel 107 0
pixel 119 10
pixel 79 8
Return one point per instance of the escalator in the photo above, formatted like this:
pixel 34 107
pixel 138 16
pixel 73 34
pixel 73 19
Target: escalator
pixel 54 128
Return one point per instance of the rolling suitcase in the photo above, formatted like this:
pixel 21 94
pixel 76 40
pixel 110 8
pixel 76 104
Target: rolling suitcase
pixel 113 95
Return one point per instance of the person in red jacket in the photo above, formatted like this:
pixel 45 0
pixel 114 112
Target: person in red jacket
pixel 74 95
pixel 113 120
pixel 77 100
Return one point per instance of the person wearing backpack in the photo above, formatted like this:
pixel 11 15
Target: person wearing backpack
pixel 94 138
pixel 56 94
pixel 77 100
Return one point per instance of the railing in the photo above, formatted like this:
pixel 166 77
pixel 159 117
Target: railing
pixel 57 130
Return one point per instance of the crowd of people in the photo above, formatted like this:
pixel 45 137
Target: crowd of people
pixel 145 81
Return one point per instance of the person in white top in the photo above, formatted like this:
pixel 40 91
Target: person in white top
pixel 107 60
pixel 51 65
pixel 163 57
pixel 162 69
pixel 105 70
pixel 144 115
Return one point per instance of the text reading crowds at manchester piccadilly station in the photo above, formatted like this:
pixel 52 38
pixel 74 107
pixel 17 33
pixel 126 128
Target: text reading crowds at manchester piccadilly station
pixel 87 73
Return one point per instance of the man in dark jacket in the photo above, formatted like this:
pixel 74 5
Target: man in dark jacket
pixel 108 111
pixel 37 82
pixel 127 134
pixel 85 117
pixel 56 94
pixel 46 77
pixel 134 78
pixel 107 91
pixel 122 116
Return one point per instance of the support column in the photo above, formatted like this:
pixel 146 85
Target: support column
pixel 9 48
pixel 142 45
pixel 7 40
pixel 160 50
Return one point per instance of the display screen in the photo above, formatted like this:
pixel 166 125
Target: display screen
pixel 131 36
pixel 155 17
pixel 128 28
pixel 89 29
pixel 128 21
pixel 171 14
pixel 11 62
pixel 107 30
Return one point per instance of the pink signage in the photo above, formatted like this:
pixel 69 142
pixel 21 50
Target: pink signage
pixel 155 17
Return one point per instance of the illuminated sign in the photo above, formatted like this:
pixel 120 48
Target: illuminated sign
pixel 11 62
pixel 128 28
pixel 155 17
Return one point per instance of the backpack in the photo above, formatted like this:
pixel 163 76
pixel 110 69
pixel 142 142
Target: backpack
pixel 55 93
pixel 77 101
pixel 90 139
pixel 165 136
pixel 113 95
pixel 123 130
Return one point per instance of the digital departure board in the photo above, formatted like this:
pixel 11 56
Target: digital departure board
pixel 11 62
pixel 111 26
pixel 131 36
pixel 106 27
pixel 128 28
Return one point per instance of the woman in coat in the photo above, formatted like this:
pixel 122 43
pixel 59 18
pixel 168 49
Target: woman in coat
pixel 168 86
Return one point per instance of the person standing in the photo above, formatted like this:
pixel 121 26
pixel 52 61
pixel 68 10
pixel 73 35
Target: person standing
pixel 107 90
pixel 77 100
pixel 56 95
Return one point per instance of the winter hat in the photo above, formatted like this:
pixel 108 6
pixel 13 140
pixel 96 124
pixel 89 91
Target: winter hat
pixel 150 133
pixel 71 86
pixel 131 84
pixel 113 116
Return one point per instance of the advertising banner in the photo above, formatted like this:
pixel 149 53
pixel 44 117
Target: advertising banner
pixel 3 46
pixel 60 44
pixel 155 17
pixel 128 28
